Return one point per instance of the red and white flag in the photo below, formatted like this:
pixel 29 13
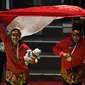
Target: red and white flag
pixel 32 20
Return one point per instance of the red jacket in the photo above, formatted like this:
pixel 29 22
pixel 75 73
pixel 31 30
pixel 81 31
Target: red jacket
pixel 12 63
pixel 78 55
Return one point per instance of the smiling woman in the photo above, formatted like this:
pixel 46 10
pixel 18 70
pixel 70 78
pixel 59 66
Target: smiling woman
pixel 15 48
pixel 15 36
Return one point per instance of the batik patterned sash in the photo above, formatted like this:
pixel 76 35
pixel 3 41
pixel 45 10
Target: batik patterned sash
pixel 16 79
pixel 73 75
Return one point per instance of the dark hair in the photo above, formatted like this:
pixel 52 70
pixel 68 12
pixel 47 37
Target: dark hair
pixel 17 30
pixel 77 26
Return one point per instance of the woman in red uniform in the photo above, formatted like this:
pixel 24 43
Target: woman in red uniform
pixel 72 52
pixel 16 49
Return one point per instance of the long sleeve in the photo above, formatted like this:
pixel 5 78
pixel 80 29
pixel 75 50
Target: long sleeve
pixel 3 34
pixel 59 48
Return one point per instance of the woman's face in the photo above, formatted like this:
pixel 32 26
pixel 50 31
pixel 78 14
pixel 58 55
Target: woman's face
pixel 15 36
pixel 76 35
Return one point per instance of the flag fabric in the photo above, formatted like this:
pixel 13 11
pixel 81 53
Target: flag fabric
pixel 32 20
pixel 29 25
